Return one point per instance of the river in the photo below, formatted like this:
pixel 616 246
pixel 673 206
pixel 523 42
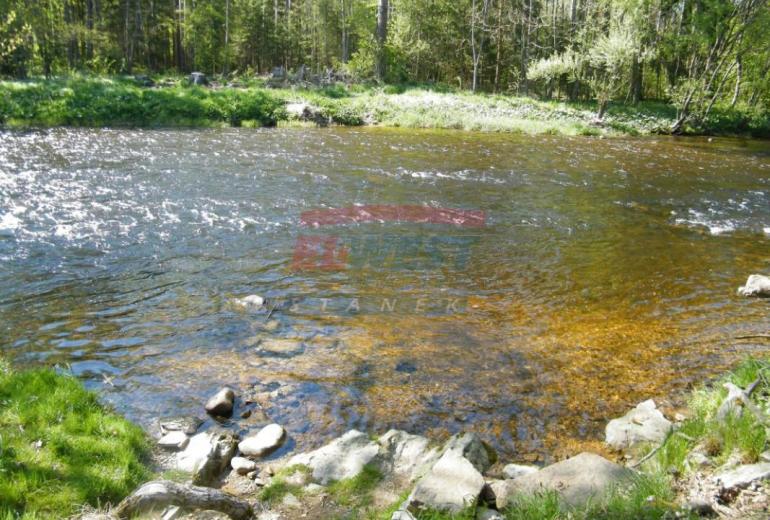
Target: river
pixel 527 288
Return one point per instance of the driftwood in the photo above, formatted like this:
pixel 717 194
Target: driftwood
pixel 737 398
pixel 159 494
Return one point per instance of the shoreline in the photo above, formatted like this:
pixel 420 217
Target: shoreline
pixel 95 102
pixel 708 458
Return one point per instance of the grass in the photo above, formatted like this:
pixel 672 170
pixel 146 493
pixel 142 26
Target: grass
pixel 120 101
pixel 279 487
pixel 744 435
pixel 60 449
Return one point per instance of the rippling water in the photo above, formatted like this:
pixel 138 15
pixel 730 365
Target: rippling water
pixel 604 273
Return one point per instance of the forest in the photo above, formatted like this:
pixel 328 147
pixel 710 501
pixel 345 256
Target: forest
pixel 694 54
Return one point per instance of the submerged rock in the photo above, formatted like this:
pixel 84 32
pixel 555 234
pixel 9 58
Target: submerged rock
pixel 645 423
pixel 578 479
pixel 283 347
pixel 221 403
pixel 266 440
pixel 252 302
pixel 756 285
pixel 207 455
pixel 452 484
pixel 342 458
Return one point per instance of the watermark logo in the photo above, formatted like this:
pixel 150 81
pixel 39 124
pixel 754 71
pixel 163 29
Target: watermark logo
pixel 385 238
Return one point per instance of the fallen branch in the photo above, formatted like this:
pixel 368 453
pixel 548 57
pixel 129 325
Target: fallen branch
pixel 160 494
pixel 754 336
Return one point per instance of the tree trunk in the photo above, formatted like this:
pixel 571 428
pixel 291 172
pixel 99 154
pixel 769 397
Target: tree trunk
pixel 159 494
pixel 738 79
pixel 382 36
pixel 636 80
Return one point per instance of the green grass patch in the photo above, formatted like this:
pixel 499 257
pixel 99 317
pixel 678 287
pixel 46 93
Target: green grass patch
pixel 60 449
pixel 279 487
pixel 744 434
pixel 356 491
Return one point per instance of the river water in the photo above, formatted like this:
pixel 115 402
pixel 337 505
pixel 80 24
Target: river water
pixel 527 288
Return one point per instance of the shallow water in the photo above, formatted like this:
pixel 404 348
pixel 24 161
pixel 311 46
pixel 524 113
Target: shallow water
pixel 600 273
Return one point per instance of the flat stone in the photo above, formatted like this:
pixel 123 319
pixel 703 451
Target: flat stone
pixel 207 455
pixel 756 285
pixel 512 471
pixel 407 456
pixel 342 458
pixel 221 403
pixel 242 465
pixel 290 501
pixel 451 485
pixel 645 423
pixel 742 476
pixel 576 480
pixel 188 425
pixel 266 441
pixel 175 440
pixel 283 347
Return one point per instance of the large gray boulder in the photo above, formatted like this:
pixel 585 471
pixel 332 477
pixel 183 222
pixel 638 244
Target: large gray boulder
pixel 578 479
pixel 406 456
pixel 471 447
pixel 645 423
pixel 342 458
pixel 207 455
pixel 756 285
pixel 451 485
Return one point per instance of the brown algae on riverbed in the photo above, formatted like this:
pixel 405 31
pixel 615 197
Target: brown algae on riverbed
pixel 605 274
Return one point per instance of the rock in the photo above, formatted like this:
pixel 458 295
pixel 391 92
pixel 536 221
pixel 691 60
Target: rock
pixel 756 285
pixel 242 465
pixel 314 489
pixel 742 476
pixel 342 458
pixel 187 425
pixel 484 513
pixel 298 478
pixel 282 347
pixel 577 479
pixel 269 515
pixel 696 459
pixel 291 501
pixel 700 507
pixel 252 302
pixel 267 440
pixel 470 446
pixel 198 78
pixel 402 514
pixel 221 403
pixel 174 441
pixel 512 471
pixel 407 456
pixel 451 485
pixel 207 455
pixel 645 423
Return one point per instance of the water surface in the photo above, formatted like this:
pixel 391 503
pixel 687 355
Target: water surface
pixel 604 274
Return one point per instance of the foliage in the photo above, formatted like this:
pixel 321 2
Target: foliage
pixel 59 447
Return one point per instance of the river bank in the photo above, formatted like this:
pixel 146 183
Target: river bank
pixel 710 457
pixel 125 102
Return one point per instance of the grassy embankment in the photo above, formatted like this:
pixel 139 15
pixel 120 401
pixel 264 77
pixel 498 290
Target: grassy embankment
pixel 60 449
pixel 94 102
